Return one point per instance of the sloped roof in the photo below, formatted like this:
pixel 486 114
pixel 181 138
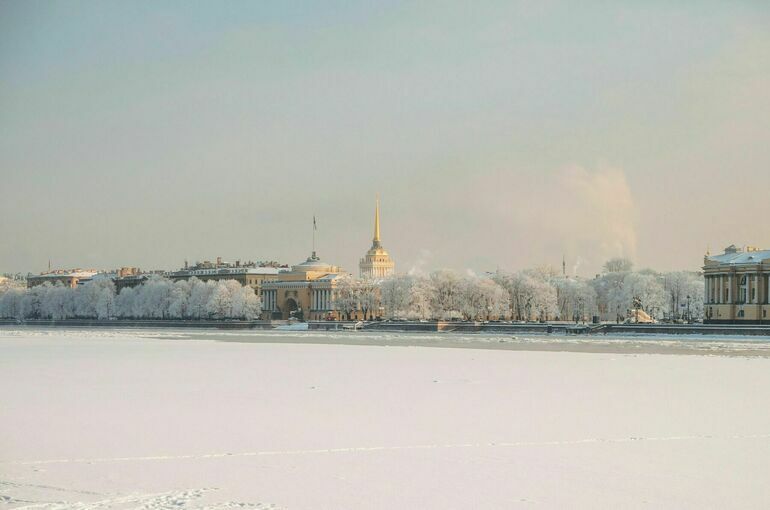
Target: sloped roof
pixel 743 257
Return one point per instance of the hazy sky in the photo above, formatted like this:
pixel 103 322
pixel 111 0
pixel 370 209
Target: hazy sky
pixel 498 134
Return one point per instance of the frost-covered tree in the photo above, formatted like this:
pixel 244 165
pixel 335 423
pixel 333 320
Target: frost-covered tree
pixel 576 299
pixel 447 287
pixel 610 296
pixel 10 301
pixel 482 298
pixel 59 303
pixel 679 285
pixel 495 297
pixel 125 304
pixel 395 295
pixel 246 303
pixel 200 294
pixel 346 297
pixel 469 300
pixel 531 294
pixel 420 299
pixel 645 291
pixel 220 303
pixel 158 298
pixel 618 265
pixel 368 298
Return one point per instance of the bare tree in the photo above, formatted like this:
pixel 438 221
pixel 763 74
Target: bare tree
pixel 618 265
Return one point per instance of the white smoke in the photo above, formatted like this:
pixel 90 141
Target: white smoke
pixel 419 267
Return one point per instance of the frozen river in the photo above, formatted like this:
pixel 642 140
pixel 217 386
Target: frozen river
pixel 96 419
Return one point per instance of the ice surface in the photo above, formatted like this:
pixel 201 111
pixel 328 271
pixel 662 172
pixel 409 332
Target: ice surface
pixel 162 419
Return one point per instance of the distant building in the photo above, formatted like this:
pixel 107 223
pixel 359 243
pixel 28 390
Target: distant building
pixel 252 274
pixel 67 277
pixel 307 292
pixel 737 286
pixel 128 271
pixel 376 264
pixel 133 277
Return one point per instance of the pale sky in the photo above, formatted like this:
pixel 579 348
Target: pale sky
pixel 498 134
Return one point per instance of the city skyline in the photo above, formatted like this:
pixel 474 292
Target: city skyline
pixel 503 136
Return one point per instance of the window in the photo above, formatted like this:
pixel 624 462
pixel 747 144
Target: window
pixel 740 313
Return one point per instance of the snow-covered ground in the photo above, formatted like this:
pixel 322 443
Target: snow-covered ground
pixel 139 419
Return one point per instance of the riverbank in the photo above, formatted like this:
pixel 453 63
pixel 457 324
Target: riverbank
pixel 742 346
pixel 422 327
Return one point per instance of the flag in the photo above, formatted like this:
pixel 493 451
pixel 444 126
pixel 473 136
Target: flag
pixel 314 225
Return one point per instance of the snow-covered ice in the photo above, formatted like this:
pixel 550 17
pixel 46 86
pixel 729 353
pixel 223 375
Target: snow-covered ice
pixel 166 419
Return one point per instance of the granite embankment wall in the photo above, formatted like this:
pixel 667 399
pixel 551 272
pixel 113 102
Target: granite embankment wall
pixel 127 323
pixel 571 329
pixel 421 327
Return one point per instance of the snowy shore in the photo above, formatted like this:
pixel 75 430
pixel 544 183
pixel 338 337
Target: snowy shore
pixel 179 419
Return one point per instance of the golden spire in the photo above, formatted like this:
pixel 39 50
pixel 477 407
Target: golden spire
pixel 377 222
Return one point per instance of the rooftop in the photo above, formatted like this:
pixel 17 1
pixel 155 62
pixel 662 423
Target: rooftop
pixel 67 273
pixel 314 263
pixel 733 255
pixel 228 270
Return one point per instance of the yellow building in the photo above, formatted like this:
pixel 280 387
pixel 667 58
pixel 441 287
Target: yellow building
pixel 376 264
pixel 306 292
pixel 737 286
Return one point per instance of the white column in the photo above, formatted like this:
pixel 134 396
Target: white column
pixel 720 294
pixel 708 289
pixel 756 289
pixel 721 299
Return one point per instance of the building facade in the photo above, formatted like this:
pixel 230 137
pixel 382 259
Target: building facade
pixel 67 277
pixel 306 292
pixel 737 286
pixel 376 264
pixel 252 274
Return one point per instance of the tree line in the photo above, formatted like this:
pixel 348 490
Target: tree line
pixel 538 294
pixel 157 298
pixel 542 294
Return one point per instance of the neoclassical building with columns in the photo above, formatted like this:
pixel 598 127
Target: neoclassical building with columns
pixel 310 290
pixel 737 286
pixel 306 292
pixel 376 264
